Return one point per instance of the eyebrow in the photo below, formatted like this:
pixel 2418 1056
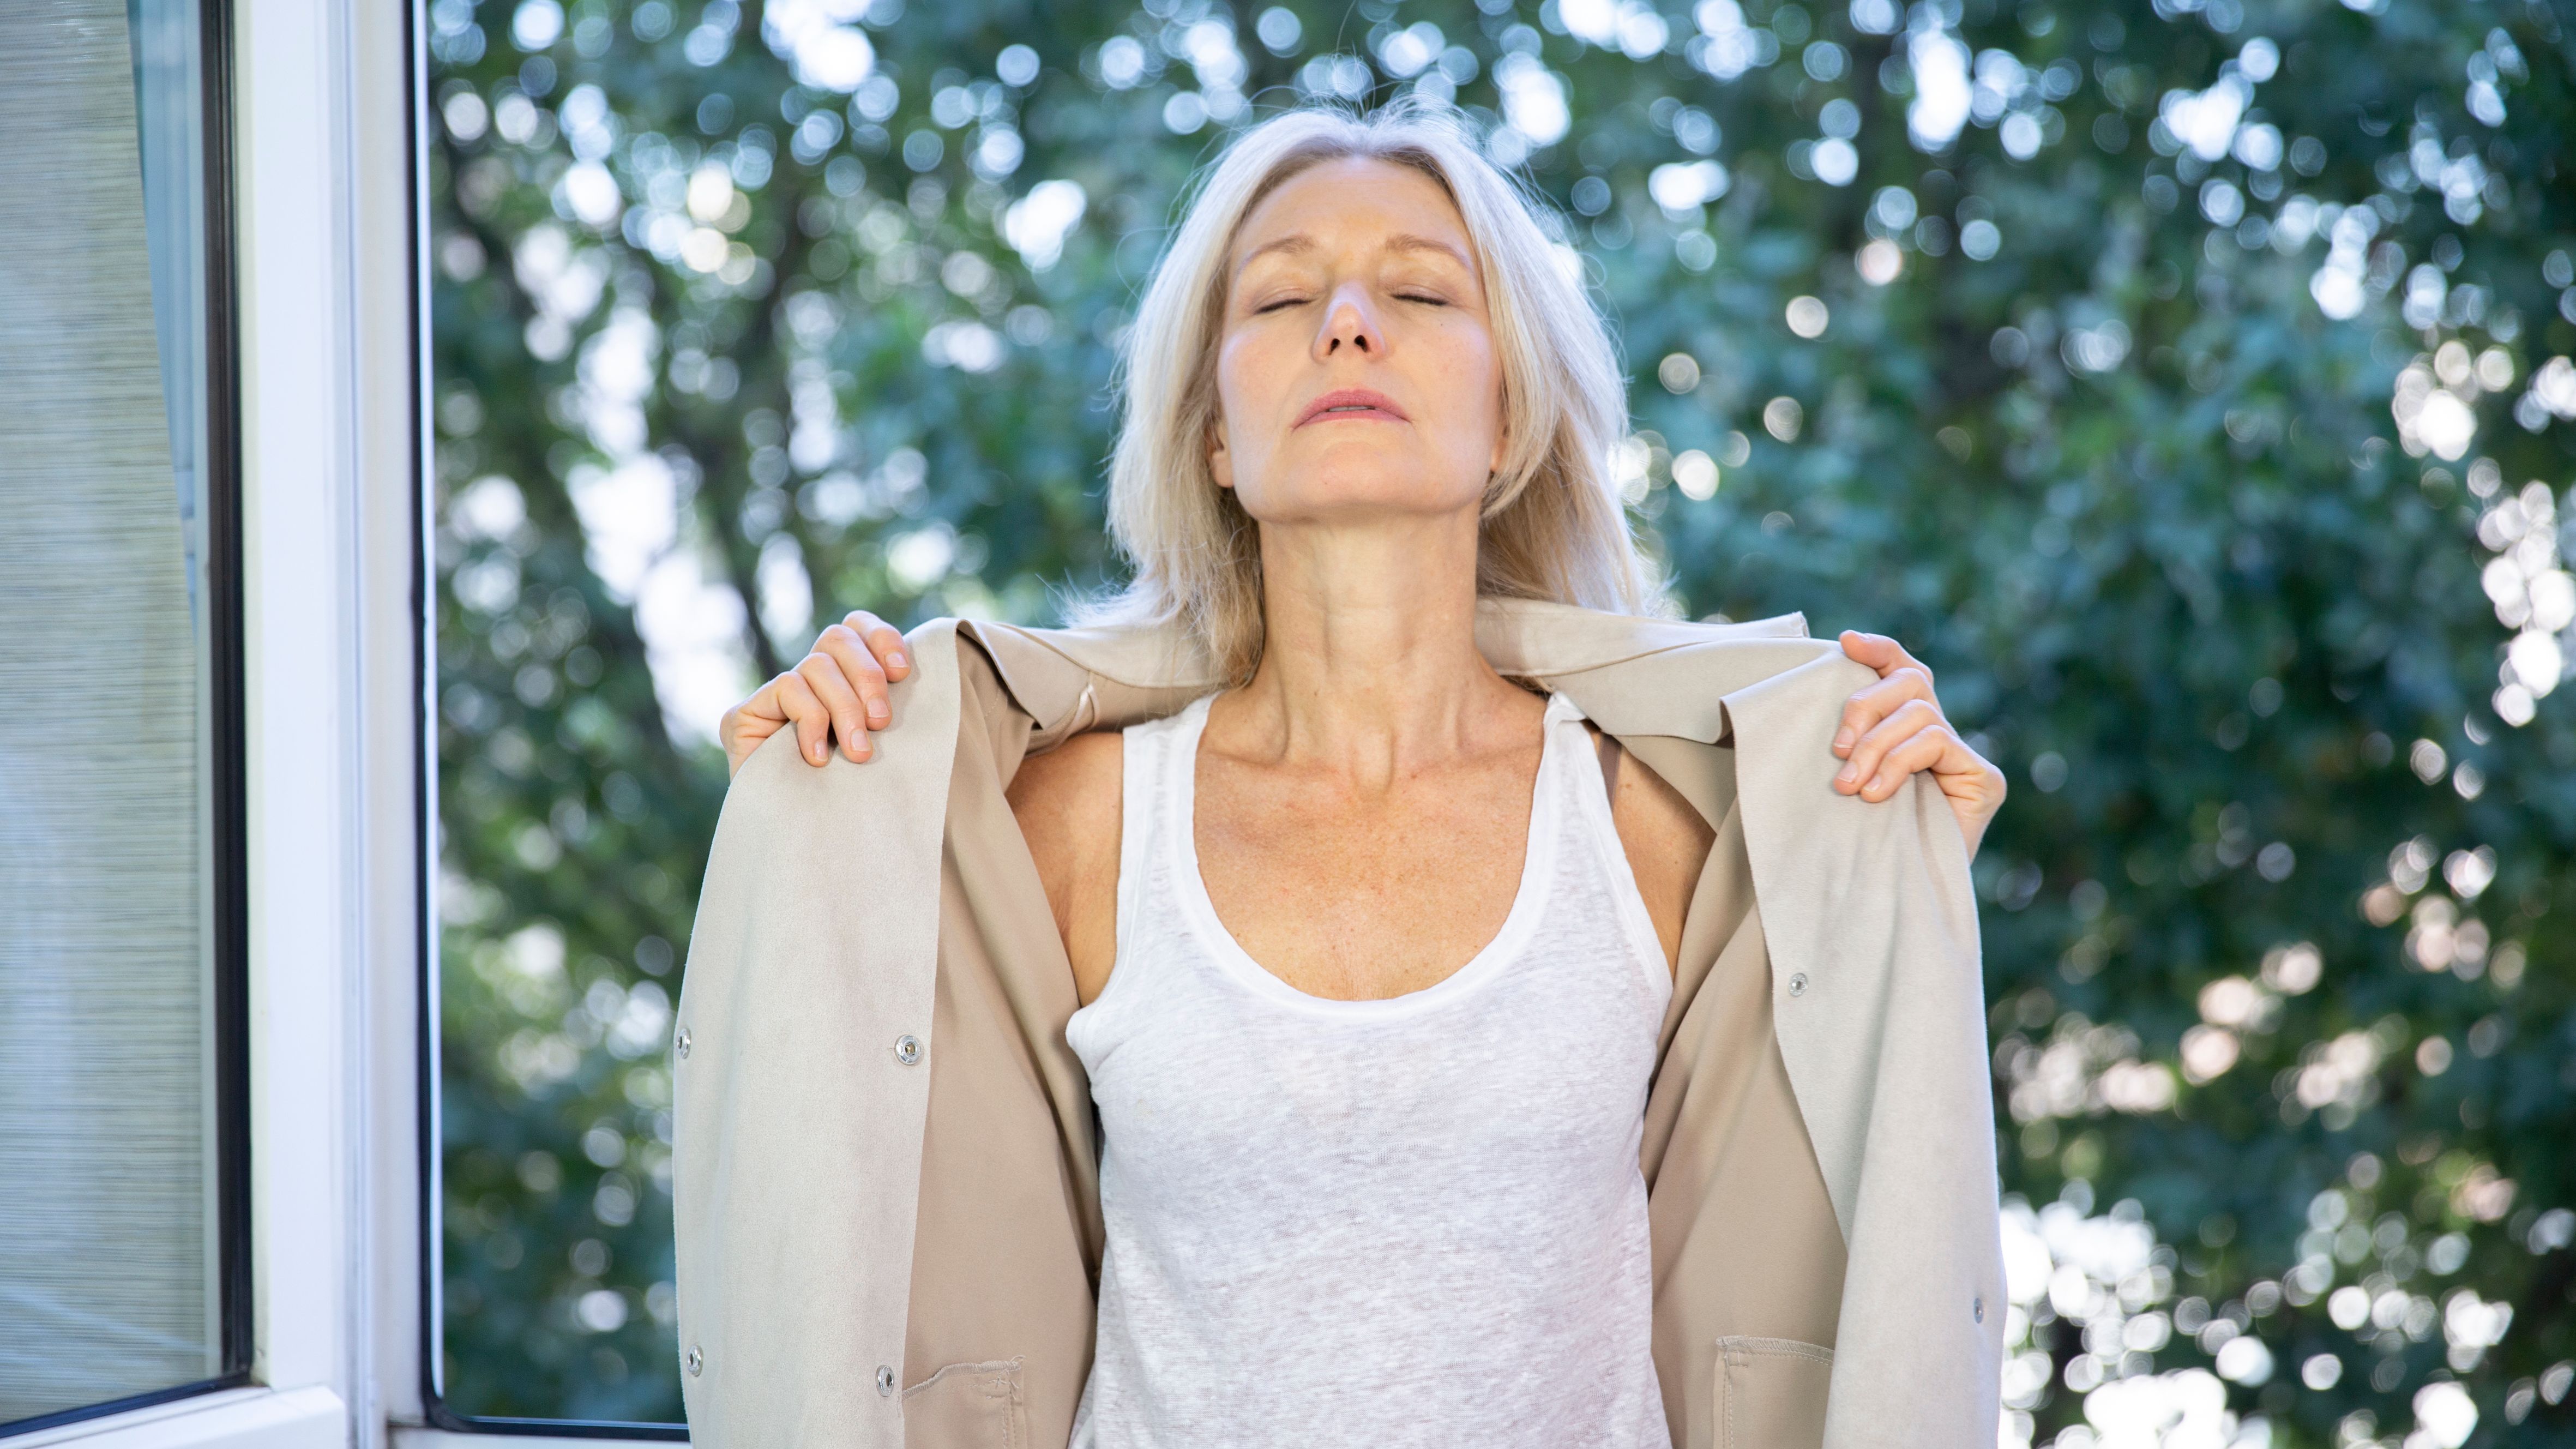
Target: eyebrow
pixel 1301 243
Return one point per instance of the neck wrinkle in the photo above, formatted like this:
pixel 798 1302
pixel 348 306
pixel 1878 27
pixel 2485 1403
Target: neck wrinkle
pixel 1369 664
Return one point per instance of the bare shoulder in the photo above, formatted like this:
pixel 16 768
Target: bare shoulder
pixel 1666 841
pixel 1067 802
pixel 1654 817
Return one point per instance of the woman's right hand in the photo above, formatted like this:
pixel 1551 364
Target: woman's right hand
pixel 837 690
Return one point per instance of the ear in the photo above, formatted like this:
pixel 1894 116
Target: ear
pixel 1220 461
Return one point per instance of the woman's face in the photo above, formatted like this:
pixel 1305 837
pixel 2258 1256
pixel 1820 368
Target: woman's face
pixel 1356 373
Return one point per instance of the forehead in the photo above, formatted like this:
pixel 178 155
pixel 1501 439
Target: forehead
pixel 1352 202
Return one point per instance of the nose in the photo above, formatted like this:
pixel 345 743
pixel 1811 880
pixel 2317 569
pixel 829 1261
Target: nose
pixel 1350 326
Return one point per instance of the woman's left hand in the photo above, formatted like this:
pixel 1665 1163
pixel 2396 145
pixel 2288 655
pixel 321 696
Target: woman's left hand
pixel 1895 727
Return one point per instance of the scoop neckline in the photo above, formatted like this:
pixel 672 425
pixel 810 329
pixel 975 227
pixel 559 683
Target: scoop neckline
pixel 1538 855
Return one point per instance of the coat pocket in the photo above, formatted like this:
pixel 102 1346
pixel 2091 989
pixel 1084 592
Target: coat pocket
pixel 967 1406
pixel 1771 1393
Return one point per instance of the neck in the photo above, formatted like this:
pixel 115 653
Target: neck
pixel 1369 662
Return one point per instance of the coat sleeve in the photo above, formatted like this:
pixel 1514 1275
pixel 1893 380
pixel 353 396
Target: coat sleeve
pixel 1878 998
pixel 800 1072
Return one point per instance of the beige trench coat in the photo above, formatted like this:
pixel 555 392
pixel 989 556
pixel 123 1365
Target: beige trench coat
pixel 886 1174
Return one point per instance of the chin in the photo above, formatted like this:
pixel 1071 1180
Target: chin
pixel 1345 487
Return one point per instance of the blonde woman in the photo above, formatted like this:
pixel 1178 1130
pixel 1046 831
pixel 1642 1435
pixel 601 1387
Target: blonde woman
pixel 1455 1008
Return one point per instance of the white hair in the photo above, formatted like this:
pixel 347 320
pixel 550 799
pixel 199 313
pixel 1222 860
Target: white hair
pixel 1553 525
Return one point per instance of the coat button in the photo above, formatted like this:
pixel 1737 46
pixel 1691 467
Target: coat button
pixel 1980 1310
pixel 885 1380
pixel 682 1045
pixel 907 1049
pixel 1798 984
pixel 694 1361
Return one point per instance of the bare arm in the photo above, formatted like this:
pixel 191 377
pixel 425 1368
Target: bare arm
pixel 1667 845
pixel 1067 802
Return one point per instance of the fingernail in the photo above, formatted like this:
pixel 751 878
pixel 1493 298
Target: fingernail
pixel 895 660
pixel 817 753
pixel 876 714
pixel 1843 740
pixel 1849 774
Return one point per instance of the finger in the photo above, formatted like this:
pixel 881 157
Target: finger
pixel 742 716
pixel 823 675
pixel 1873 650
pixel 1875 702
pixel 744 726
pixel 796 700
pixel 1881 653
pixel 858 665
pixel 1908 719
pixel 1921 752
pixel 884 640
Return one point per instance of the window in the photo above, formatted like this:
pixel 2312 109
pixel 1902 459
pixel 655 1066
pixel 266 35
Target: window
pixel 570 826
pixel 123 1236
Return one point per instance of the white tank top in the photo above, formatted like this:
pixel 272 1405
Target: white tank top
pixel 1416 1221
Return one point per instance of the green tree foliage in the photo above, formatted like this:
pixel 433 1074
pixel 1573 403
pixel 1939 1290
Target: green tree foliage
pixel 2186 381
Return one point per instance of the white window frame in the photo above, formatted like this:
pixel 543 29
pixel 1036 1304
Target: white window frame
pixel 331 281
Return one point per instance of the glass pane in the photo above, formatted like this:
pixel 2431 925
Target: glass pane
pixel 713 361
pixel 109 1220
pixel 570 821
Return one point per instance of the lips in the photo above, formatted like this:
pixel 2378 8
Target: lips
pixel 1352 403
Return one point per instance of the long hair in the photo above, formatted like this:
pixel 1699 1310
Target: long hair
pixel 1552 523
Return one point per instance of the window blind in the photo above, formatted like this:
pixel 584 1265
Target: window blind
pixel 108 1255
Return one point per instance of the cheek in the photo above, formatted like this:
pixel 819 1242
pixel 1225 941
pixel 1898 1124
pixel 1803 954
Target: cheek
pixel 1234 448
pixel 1247 378
pixel 1469 373
pixel 1234 369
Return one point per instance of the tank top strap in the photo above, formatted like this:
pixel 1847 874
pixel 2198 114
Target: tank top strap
pixel 1581 788
pixel 1566 736
pixel 1150 755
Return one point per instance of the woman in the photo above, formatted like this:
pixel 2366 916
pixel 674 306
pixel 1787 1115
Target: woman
pixel 1378 960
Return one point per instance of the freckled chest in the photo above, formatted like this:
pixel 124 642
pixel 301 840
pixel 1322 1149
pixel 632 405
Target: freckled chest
pixel 1364 895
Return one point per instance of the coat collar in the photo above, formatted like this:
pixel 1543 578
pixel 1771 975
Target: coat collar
pixel 1631 674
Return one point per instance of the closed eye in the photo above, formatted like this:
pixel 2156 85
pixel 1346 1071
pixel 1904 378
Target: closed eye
pixel 1273 306
pixel 1422 297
